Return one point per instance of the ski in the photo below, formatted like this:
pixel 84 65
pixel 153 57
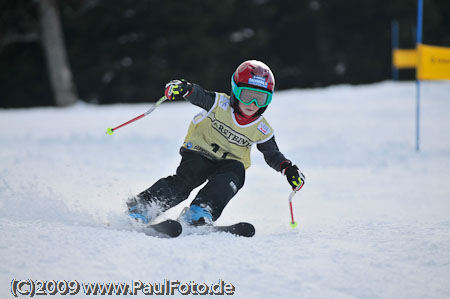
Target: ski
pixel 242 229
pixel 166 229
pixel 172 229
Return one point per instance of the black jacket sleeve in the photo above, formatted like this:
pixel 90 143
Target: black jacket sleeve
pixel 202 98
pixel 272 154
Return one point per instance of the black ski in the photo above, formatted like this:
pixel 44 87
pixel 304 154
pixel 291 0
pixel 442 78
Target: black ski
pixel 242 229
pixel 167 229
pixel 172 229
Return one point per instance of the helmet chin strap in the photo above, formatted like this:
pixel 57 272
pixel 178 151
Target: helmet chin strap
pixel 235 104
pixel 238 110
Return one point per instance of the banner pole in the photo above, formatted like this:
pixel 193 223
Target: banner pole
pixel 417 115
pixel 395 45
pixel 418 41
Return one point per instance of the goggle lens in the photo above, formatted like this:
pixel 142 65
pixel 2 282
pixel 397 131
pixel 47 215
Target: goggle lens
pixel 248 96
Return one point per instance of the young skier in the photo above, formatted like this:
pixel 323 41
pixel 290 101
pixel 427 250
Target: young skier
pixel 217 147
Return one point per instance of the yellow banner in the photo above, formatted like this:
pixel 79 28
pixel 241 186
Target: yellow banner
pixel 404 58
pixel 434 62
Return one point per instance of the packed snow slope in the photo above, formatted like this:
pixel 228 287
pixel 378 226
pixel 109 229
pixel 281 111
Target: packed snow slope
pixel 374 215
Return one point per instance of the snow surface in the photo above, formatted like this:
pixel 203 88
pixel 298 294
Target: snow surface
pixel 374 215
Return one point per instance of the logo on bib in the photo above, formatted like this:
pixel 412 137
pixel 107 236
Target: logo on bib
pixel 263 128
pixel 224 103
pixel 231 135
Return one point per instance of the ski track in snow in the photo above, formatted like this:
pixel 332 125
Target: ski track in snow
pixel 374 215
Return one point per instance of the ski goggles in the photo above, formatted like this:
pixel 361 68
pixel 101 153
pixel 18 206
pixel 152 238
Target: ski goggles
pixel 248 95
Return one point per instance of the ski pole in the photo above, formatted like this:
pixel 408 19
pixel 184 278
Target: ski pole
pixel 293 224
pixel 110 131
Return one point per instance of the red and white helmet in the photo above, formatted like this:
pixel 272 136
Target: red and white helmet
pixel 253 74
pixel 256 74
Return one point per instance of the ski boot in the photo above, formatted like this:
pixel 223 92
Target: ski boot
pixel 196 216
pixel 138 211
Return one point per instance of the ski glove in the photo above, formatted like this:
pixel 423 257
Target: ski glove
pixel 294 177
pixel 177 89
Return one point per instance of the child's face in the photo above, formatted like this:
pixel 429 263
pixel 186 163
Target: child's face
pixel 248 110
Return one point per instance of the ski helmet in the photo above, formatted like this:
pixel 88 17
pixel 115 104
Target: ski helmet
pixel 253 81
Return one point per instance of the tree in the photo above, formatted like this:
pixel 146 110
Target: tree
pixel 57 64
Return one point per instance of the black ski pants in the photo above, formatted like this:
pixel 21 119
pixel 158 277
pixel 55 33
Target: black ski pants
pixel 225 178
